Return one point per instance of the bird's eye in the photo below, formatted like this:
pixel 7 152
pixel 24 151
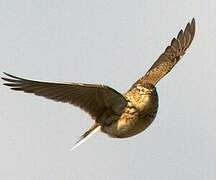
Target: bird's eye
pixel 139 89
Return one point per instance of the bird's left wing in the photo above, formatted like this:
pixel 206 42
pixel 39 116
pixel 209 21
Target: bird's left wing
pixel 170 56
pixel 94 99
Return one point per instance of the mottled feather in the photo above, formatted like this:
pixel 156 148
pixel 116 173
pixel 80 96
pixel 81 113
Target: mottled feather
pixel 171 55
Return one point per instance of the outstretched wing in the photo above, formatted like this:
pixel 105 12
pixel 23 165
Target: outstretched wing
pixel 94 99
pixel 171 55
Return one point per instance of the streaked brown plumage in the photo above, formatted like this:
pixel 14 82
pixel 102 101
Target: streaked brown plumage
pixel 118 115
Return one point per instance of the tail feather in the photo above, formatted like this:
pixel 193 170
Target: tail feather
pixel 95 128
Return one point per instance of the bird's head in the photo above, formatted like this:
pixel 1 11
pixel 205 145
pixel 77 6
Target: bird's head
pixel 142 95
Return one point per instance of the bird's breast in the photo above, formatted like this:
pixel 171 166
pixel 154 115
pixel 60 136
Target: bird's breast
pixel 132 121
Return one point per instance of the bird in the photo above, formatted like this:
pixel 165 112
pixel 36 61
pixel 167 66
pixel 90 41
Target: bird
pixel 119 115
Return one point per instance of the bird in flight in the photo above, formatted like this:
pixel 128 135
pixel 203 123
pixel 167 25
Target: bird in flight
pixel 118 115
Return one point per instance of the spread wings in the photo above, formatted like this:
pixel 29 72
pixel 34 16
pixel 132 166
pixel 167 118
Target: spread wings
pixel 171 55
pixel 94 99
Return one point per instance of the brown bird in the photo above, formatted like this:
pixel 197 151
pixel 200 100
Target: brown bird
pixel 118 115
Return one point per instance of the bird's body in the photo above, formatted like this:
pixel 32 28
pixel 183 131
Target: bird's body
pixel 140 111
pixel 118 115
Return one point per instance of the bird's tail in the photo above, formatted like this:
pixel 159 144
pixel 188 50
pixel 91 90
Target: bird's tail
pixel 95 128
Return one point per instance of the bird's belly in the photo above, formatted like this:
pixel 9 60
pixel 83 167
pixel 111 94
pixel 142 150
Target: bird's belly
pixel 129 125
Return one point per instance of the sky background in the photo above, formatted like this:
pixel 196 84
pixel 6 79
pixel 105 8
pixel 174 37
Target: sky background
pixel 112 43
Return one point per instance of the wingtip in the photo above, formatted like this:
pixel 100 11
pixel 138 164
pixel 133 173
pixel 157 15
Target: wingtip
pixel 7 74
pixel 3 78
pixel 12 76
pixel 4 74
pixel 193 21
pixel 193 25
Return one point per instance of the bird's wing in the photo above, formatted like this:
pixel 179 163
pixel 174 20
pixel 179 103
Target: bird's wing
pixel 171 55
pixel 94 99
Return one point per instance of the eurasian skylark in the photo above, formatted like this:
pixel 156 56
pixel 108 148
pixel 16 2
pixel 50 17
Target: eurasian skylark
pixel 118 115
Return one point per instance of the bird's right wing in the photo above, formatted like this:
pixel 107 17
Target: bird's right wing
pixel 94 99
pixel 170 56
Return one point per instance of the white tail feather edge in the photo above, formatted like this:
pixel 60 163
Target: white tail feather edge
pixel 82 140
